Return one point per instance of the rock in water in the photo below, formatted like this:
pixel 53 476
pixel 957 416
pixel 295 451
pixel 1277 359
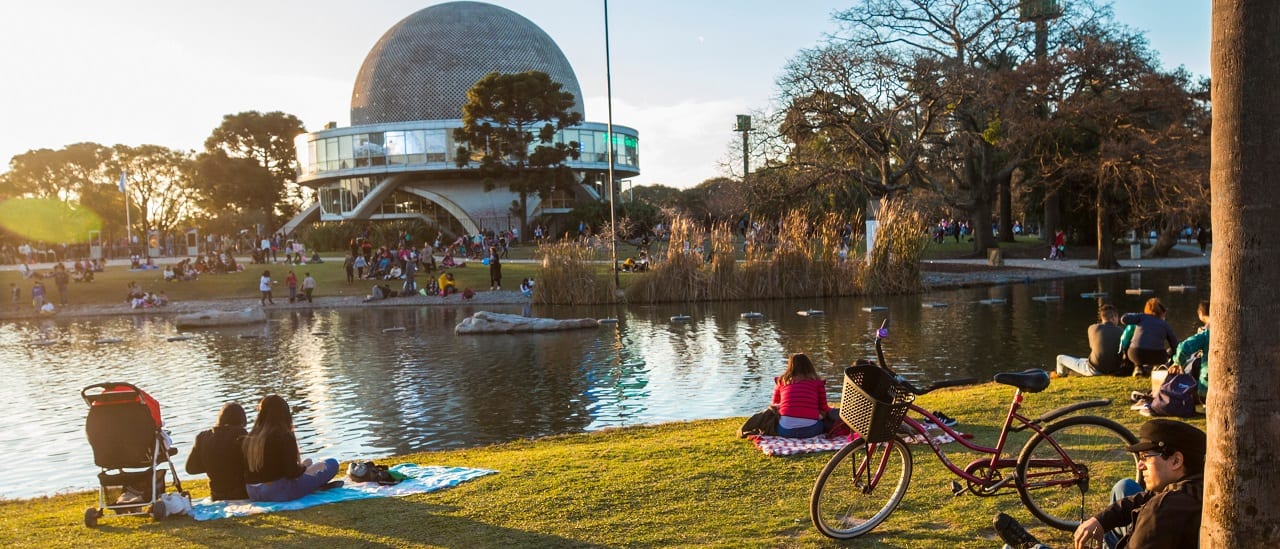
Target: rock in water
pixel 485 322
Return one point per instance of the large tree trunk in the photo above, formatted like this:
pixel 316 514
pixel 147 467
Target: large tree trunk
pixel 1006 207
pixel 1052 215
pixel 1242 489
pixel 1106 240
pixel 981 222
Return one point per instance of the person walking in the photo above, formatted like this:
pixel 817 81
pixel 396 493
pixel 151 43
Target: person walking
pixel 495 269
pixel 308 286
pixel 291 281
pixel 349 265
pixel 264 286
pixel 361 263
pixel 60 279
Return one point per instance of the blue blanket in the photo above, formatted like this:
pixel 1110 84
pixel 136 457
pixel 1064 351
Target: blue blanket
pixel 421 479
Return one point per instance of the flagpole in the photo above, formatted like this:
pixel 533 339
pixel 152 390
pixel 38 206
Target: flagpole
pixel 613 219
pixel 128 223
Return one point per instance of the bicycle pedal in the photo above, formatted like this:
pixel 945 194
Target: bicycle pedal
pixel 957 489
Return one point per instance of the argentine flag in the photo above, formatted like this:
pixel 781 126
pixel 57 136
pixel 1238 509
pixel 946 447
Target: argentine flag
pixel 122 174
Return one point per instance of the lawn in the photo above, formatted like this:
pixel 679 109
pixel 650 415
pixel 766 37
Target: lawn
pixel 679 484
pixel 109 287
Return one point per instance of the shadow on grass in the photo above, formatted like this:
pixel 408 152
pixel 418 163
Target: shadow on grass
pixel 381 522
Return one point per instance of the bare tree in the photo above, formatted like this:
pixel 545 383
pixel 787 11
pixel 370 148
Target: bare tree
pixel 1131 137
pixel 1241 489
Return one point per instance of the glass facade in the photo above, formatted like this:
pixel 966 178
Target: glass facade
pixel 407 148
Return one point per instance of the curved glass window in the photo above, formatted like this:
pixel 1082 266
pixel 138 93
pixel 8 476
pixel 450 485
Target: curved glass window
pixel 436 148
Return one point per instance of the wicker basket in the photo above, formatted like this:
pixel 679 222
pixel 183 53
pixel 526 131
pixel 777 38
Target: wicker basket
pixel 872 403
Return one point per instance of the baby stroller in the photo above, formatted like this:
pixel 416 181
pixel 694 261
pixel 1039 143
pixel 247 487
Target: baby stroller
pixel 129 446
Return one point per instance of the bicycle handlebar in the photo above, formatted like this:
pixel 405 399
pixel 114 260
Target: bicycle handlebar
pixel 883 333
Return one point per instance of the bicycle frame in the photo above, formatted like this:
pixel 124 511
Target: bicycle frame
pixel 995 462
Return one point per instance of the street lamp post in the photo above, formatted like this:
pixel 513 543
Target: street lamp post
pixel 613 221
pixel 744 126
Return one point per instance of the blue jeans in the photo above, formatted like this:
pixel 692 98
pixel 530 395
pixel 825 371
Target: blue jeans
pixel 802 432
pixel 289 489
pixel 1123 489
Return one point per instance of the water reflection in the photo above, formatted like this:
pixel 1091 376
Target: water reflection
pixel 361 388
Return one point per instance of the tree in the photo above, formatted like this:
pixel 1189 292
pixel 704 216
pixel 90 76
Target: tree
pixel 267 139
pixel 234 191
pixel 1241 491
pixel 509 125
pixel 159 185
pixel 1133 138
pixel 60 174
pixel 857 115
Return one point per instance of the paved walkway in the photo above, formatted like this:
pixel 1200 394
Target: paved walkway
pixel 1015 270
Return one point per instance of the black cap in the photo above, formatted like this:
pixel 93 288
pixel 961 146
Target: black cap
pixel 1168 435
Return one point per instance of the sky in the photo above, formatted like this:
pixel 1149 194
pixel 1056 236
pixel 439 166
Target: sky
pixel 164 72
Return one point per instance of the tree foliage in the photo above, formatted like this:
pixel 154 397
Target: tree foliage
pixel 509 124
pixel 158 183
pixel 1130 137
pixel 266 138
pixel 235 191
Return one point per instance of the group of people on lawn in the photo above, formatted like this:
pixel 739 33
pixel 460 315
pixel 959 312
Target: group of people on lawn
pixel 1137 342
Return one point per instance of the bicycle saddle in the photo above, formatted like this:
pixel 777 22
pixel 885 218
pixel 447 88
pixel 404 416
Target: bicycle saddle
pixel 1031 381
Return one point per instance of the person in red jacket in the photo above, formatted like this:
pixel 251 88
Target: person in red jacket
pixel 800 395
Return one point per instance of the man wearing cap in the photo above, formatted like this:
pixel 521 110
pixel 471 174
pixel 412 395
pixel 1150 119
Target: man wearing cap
pixel 1167 514
pixel 1164 516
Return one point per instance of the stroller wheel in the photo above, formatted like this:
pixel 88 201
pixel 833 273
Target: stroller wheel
pixel 91 516
pixel 157 510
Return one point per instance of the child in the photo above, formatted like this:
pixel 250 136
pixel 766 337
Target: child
pixel 16 292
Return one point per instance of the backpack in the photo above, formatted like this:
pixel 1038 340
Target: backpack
pixel 369 471
pixel 1177 395
pixel 762 423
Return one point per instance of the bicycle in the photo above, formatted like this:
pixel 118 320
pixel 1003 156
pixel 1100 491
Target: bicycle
pixel 1063 474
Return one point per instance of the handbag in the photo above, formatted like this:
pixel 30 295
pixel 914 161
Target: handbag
pixel 1176 396
pixel 761 423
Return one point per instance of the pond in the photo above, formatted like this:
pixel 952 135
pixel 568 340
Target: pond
pixel 361 391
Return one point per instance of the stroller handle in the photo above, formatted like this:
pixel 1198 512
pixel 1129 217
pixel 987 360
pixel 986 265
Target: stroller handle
pixel 110 392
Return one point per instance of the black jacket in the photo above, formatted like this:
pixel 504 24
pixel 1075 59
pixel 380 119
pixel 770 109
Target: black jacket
pixel 217 452
pixel 1168 519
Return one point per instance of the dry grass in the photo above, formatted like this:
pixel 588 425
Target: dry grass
pixel 803 259
pixel 894 267
pixel 567 275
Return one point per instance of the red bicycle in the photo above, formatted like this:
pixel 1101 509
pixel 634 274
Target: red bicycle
pixel 1063 474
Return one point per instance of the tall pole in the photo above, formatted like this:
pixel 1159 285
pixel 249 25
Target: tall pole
pixel 613 220
pixel 128 223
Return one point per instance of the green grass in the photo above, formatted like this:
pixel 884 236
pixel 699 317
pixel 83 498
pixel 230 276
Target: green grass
pixel 109 287
pixel 679 484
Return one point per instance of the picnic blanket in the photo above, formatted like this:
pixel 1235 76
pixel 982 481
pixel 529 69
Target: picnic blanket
pixel 421 479
pixel 783 446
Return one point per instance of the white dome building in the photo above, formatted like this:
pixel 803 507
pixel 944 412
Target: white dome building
pixel 397 160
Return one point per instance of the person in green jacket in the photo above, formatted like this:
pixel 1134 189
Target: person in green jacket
pixel 1197 343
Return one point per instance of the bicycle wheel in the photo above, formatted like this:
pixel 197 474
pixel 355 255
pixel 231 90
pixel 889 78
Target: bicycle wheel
pixel 860 487
pixel 1066 473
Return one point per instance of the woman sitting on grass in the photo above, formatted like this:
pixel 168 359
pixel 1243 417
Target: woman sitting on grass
pixel 274 468
pixel 800 395
pixel 217 452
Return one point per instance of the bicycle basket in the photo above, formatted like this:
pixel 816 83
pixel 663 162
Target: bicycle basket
pixel 872 403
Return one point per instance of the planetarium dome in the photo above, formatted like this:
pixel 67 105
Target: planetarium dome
pixel 423 66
